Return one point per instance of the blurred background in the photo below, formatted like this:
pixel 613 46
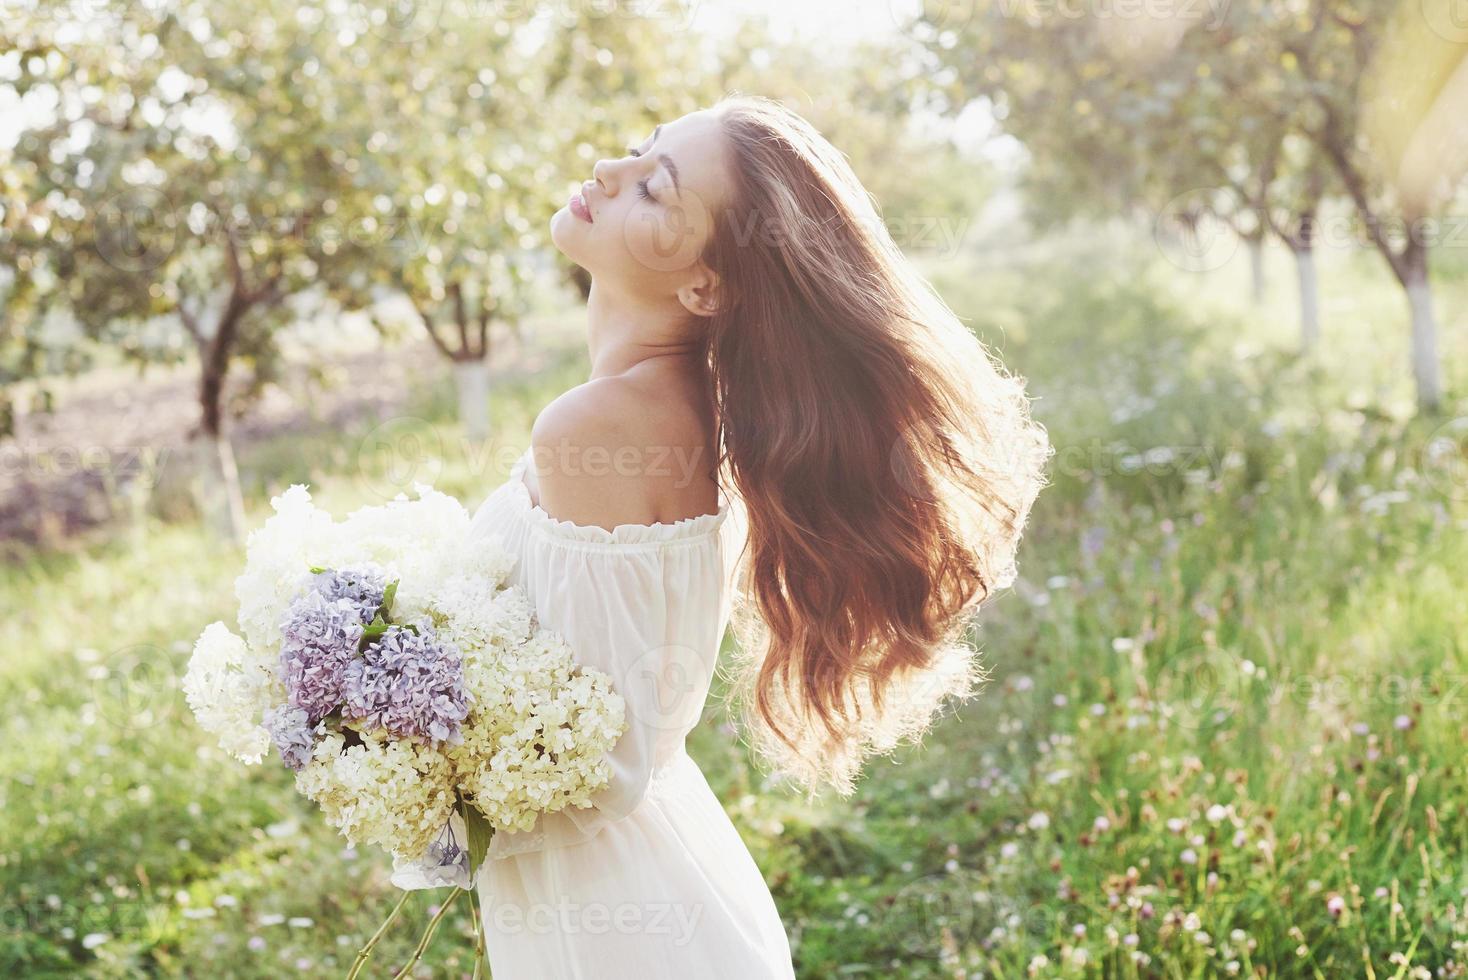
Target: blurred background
pixel 260 243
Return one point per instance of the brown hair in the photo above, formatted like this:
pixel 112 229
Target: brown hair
pixel 887 463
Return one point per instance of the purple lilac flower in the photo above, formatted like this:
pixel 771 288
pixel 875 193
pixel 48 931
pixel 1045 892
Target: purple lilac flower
pixel 408 683
pixel 320 639
pixel 291 731
pixel 363 586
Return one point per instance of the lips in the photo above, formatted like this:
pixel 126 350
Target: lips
pixel 579 207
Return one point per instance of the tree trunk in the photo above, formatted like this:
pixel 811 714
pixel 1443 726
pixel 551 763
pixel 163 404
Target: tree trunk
pixel 1256 269
pixel 215 486
pixel 211 475
pixel 1309 297
pixel 1425 368
pixel 471 378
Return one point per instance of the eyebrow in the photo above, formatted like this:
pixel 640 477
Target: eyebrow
pixel 667 161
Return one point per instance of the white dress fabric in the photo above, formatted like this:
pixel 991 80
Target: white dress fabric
pixel 653 881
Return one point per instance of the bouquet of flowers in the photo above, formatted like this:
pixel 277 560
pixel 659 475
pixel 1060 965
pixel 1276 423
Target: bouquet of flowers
pixel 407 686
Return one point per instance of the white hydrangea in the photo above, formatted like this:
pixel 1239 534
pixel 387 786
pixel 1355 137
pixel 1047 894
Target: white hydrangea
pixel 228 687
pixel 479 619
pixel 278 556
pixel 387 791
pixel 538 734
pixel 540 728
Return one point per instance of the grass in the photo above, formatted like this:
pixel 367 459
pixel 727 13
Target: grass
pixel 1223 737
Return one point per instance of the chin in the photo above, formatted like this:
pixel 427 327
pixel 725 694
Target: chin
pixel 561 238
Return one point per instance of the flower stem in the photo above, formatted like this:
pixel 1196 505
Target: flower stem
pixel 478 937
pixel 366 950
pixel 428 933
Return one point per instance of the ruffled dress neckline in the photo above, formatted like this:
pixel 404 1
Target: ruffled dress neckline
pixel 685 530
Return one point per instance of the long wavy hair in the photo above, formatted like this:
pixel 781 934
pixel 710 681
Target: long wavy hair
pixel 885 460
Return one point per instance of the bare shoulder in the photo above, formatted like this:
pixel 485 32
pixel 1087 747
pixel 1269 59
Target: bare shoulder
pixel 617 451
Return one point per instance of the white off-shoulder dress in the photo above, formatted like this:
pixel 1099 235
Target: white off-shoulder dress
pixel 653 881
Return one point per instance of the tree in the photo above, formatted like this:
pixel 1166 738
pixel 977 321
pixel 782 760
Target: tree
pixel 189 170
pixel 1265 103
pixel 1388 90
pixel 446 196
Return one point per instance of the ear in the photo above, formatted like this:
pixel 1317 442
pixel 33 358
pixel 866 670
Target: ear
pixel 703 293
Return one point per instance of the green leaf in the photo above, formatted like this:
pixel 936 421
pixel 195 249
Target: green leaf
pixel 479 831
pixel 388 594
pixel 317 569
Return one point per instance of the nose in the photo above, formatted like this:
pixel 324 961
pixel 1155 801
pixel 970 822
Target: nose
pixel 604 174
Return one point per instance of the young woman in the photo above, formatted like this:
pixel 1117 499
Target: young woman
pixel 780 411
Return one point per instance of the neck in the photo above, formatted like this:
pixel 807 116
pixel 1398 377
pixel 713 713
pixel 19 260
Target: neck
pixel 623 331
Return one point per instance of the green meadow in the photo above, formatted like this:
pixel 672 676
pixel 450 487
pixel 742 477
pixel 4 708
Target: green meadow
pixel 1223 733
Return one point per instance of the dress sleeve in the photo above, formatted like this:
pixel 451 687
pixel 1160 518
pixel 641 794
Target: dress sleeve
pixel 642 604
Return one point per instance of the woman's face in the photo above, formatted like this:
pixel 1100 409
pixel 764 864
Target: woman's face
pixel 642 222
